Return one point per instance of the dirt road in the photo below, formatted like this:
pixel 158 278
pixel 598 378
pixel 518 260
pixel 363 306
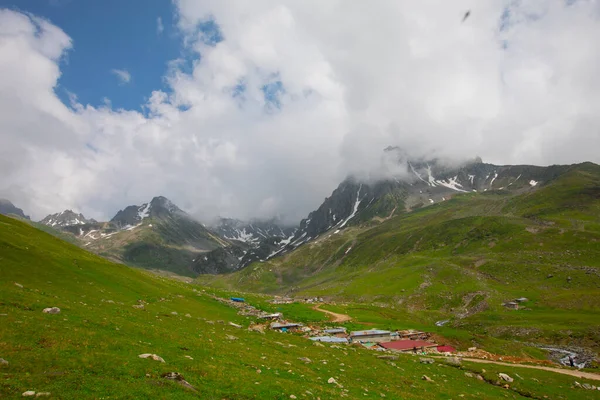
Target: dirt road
pixel 335 317
pixel 571 372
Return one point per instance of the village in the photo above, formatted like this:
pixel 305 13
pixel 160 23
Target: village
pixel 409 341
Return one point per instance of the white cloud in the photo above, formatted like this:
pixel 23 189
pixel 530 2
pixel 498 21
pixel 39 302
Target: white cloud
pixel 355 78
pixel 122 74
pixel 159 26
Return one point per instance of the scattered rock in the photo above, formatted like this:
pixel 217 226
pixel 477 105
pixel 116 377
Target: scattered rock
pixel 138 306
pixel 42 394
pixel 468 374
pixel 505 377
pixel 426 378
pixel 587 386
pixel 174 313
pixel 387 357
pixel 331 381
pixel 152 356
pixel 235 325
pixel 18 285
pixel 577 384
pixel 188 315
pixel 425 360
pixel 479 377
pixel 231 337
pixel 453 361
pixel 257 328
pixel 305 359
pixel 189 357
pixel 3 361
pixel 51 310
pixel 318 344
pixel 28 393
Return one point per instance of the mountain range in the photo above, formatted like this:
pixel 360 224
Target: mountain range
pixel 159 235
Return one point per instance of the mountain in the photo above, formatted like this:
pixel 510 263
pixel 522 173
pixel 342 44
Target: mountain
pixel 156 235
pixel 8 208
pixel 252 232
pixel 249 242
pixel 532 232
pixel 66 218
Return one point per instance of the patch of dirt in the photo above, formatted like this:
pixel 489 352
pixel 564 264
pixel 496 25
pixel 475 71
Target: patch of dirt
pixel 335 317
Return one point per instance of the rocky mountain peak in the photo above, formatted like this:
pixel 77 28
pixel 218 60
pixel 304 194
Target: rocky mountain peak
pixel 66 218
pixel 159 207
pixel 8 208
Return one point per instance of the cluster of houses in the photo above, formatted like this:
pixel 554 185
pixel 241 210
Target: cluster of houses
pixel 514 304
pixel 374 339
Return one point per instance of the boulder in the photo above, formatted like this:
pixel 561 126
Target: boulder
pixel 468 374
pixel 505 377
pixel 426 378
pixel 426 360
pixel 453 361
pixel 152 356
pixel 138 306
pixel 28 393
pixel 51 310
pixel 231 337
pixel 305 359
pixel 331 381
pixel 235 325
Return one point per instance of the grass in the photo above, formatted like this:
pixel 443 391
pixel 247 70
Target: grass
pixel 90 349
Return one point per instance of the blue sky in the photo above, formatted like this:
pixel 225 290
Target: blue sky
pixel 109 35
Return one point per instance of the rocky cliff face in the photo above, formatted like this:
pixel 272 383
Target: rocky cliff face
pixel 8 208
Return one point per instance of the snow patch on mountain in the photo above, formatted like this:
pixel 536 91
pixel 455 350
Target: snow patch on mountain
pixel 355 209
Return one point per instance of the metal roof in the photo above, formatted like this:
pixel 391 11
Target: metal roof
pixel 335 330
pixel 370 332
pixel 329 339
pixel 406 344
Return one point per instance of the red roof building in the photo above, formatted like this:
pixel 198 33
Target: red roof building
pixel 446 349
pixel 406 345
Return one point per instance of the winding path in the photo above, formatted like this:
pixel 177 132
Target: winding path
pixel 575 373
pixel 335 317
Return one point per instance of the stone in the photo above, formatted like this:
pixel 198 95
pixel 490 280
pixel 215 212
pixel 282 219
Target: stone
pixel 138 306
pixel 305 359
pixel 189 357
pixel 42 394
pixel 505 377
pixel 387 357
pixel 18 285
pixel 318 344
pixel 173 312
pixel 468 374
pixel 177 377
pixel 28 393
pixel 231 337
pixel 292 396
pixel 472 349
pixel 51 310
pixel 3 361
pixel 188 315
pixel 479 377
pixel 235 325
pixel 152 356
pixel 577 384
pixel 453 361
pixel 425 360
pixel 426 378
pixel 331 381
pixel 587 386
pixel 506 386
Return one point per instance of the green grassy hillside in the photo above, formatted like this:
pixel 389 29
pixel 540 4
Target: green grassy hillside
pixel 90 349
pixel 461 259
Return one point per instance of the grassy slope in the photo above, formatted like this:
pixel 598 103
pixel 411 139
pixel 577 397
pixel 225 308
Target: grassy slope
pixel 90 349
pixel 464 257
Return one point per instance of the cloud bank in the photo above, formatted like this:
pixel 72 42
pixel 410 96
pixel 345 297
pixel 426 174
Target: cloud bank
pixel 286 98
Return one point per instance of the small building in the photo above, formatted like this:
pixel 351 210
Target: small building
pixel 371 335
pixel 339 332
pixel 446 349
pixel 329 339
pixel 271 316
pixel 285 326
pixel 407 345
pixel 511 305
pixel 237 299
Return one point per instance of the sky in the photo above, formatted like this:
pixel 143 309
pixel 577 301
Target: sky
pixel 260 109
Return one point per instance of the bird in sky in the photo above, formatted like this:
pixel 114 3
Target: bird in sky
pixel 466 15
